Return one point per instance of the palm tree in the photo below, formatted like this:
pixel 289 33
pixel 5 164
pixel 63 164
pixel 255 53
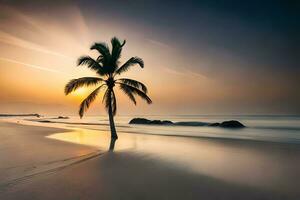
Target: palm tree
pixel 107 67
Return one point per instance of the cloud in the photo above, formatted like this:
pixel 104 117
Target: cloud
pixel 31 66
pixel 157 43
pixel 16 41
pixel 14 21
pixel 185 72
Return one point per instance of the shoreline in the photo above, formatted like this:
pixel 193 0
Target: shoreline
pixel 216 139
pixel 233 141
pixel 84 126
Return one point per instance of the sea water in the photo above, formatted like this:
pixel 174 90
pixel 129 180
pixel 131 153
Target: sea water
pixel 274 128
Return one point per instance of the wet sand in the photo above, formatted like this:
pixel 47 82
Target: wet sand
pixel 46 163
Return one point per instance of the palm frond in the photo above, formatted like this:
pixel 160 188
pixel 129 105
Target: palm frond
pixel 92 64
pixel 102 48
pixel 131 62
pixel 107 64
pixel 116 49
pixel 138 92
pixel 100 58
pixel 128 92
pixel 115 54
pixel 105 60
pixel 133 83
pixel 74 84
pixel 87 101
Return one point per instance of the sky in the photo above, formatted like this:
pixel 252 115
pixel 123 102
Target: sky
pixel 201 57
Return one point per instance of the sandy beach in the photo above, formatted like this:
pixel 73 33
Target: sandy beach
pixel 34 165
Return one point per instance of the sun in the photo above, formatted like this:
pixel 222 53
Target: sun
pixel 81 92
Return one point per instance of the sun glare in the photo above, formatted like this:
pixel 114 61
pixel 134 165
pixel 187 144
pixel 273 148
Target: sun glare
pixel 81 92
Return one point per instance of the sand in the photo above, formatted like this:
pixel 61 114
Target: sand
pixel 34 166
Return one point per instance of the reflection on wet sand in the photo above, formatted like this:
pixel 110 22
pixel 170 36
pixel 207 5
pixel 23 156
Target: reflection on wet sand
pixel 271 166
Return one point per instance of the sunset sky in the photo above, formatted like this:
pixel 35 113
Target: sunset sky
pixel 201 57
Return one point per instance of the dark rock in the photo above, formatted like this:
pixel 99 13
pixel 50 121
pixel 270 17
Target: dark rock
pixel 155 122
pixel 62 117
pixel 139 121
pixel 147 121
pixel 167 122
pixel 191 123
pixel 225 124
pixel 214 124
pixel 231 124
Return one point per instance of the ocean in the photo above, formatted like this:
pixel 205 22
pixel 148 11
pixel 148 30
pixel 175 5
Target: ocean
pixel 273 128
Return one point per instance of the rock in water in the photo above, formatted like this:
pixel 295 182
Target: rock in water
pixel 191 123
pixel 214 124
pixel 225 124
pixel 231 124
pixel 167 122
pixel 62 117
pixel 147 121
pixel 139 121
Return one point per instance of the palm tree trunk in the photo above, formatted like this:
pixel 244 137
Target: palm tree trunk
pixel 112 123
pixel 112 144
